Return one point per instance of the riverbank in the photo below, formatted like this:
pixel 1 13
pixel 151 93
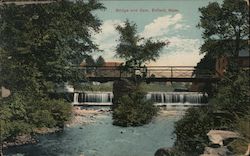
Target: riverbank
pixel 80 117
pixel 101 138
pixel 24 139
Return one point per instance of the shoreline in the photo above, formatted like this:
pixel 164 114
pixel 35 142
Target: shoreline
pixel 25 139
pixel 85 116
pixel 80 117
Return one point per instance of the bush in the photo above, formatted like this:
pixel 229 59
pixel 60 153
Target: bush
pixel 239 146
pixel 191 130
pixel 228 110
pixel 43 118
pixel 133 110
pixel 233 95
pixel 20 114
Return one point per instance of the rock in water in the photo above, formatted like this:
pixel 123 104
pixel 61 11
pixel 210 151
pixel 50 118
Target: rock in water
pixel 222 151
pixel 218 136
pixel 163 152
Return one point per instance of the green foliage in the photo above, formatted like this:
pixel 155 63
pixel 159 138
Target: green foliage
pixel 227 21
pixel 191 130
pixel 90 87
pixel 206 67
pixel 108 87
pixel 207 64
pixel 45 40
pixel 157 87
pixel 61 111
pixel 225 29
pixel 43 118
pixel 100 61
pixel 243 126
pixel 130 48
pixel 233 95
pixel 38 45
pixel 239 146
pixel 228 110
pixel 89 61
pixel 134 110
pixel 21 114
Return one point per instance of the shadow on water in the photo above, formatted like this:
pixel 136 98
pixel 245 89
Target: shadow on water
pixel 101 138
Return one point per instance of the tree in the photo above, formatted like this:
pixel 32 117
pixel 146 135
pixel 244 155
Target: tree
pixel 130 108
pixel 100 61
pixel 191 131
pixel 134 110
pixel 45 41
pixel 135 49
pixel 38 45
pixel 225 27
pixel 228 110
pixel 89 61
pixel 206 67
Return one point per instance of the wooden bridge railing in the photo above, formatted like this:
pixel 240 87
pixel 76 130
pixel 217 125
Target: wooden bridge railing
pixel 147 72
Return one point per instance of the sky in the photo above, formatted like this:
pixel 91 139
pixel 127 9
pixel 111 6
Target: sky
pixel 165 20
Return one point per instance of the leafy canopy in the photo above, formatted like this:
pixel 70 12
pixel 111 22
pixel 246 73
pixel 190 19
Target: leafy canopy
pixel 38 44
pixel 134 109
pixel 100 61
pixel 135 49
pixel 43 41
pixel 224 27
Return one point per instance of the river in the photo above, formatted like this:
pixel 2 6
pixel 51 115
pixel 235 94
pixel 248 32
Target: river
pixel 101 138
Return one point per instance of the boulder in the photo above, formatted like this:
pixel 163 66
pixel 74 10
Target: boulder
pixel 218 136
pixel 222 151
pixel 5 92
pixel 165 151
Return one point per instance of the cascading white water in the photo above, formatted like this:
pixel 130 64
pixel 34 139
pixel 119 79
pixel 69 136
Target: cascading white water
pixel 76 98
pixel 95 98
pixel 176 97
pixel 159 98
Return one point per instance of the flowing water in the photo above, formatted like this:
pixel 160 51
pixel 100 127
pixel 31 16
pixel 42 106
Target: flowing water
pixel 159 98
pixel 101 138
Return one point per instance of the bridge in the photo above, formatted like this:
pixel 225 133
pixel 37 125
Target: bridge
pixel 149 73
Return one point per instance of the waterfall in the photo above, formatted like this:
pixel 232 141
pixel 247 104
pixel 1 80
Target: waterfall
pixel 159 98
pixel 76 97
pixel 95 98
pixel 193 98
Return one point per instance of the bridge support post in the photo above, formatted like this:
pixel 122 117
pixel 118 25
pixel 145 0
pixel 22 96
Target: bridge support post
pixel 171 68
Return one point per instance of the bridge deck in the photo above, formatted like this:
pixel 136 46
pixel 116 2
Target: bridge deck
pixel 155 79
pixel 149 73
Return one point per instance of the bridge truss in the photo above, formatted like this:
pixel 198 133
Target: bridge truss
pixel 149 73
